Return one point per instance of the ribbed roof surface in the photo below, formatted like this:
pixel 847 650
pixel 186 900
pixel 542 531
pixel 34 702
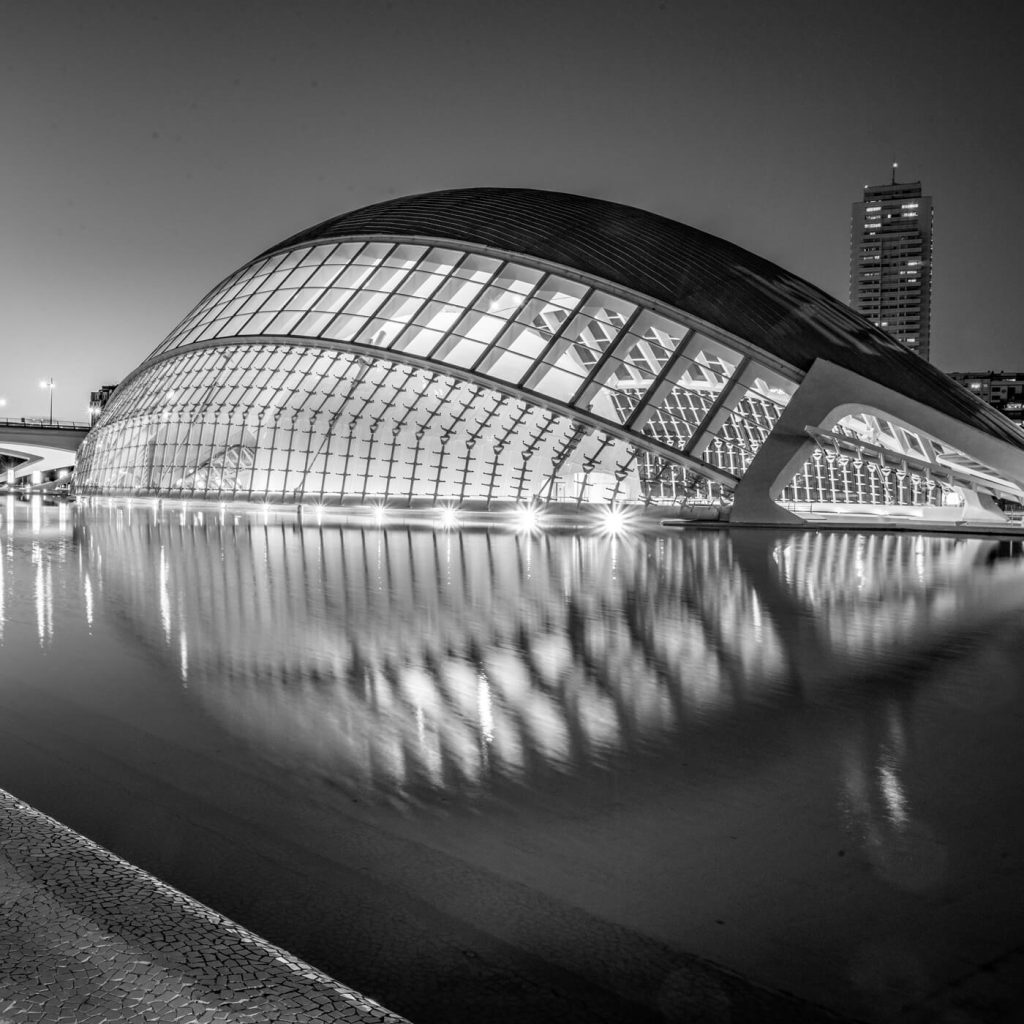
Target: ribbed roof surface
pixel 713 279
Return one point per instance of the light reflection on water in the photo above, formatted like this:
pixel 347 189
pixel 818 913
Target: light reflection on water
pixel 410 666
pixel 401 661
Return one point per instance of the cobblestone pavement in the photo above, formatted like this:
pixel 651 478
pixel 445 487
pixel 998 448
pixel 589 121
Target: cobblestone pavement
pixel 87 938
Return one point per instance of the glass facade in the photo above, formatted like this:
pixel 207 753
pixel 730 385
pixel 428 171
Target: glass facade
pixel 372 370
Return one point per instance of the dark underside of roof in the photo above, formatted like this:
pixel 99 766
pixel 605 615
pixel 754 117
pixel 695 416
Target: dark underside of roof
pixel 678 265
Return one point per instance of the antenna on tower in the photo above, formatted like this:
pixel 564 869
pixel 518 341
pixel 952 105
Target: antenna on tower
pixel 894 166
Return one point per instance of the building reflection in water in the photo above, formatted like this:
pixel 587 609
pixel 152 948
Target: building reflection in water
pixel 403 663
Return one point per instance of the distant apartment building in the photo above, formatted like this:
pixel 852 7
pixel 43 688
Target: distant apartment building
pixel 891 261
pixel 1001 389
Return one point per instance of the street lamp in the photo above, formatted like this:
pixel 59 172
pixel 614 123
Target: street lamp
pixel 49 385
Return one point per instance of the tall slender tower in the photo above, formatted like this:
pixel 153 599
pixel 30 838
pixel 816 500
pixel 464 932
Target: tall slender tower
pixel 891 261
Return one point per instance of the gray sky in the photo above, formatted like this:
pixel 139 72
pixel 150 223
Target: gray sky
pixel 149 149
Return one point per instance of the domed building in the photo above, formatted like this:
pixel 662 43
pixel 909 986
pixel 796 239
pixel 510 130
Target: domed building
pixel 485 349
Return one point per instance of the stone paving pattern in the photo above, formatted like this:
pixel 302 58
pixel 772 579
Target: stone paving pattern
pixel 87 938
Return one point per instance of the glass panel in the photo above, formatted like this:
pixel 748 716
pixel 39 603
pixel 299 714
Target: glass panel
pixel 399 308
pixel 323 276
pixel 420 283
pixel 313 323
pixel 298 277
pixel 273 281
pixel 333 299
pixel 304 298
pixel 501 302
pixel 284 322
pixel 345 327
pixel 589 338
pixel 561 292
pixel 353 276
pixel 344 253
pixel 713 364
pixel 462 352
pixel 385 279
pixel 365 303
pixel 608 309
pixel 523 340
pixel 257 324
pixel 560 379
pixel 373 252
pixel 418 341
pixel 234 325
pixel 293 258
pixel 480 326
pixel 317 255
pixel 515 278
pixel 440 260
pixel 476 267
pixel 253 302
pixel 438 315
pixel 279 299
pixel 458 292
pixel 543 316
pixel 508 367
pixel 233 306
pixel 405 256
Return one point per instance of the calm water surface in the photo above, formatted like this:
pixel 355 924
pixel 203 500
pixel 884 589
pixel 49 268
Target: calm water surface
pixel 497 776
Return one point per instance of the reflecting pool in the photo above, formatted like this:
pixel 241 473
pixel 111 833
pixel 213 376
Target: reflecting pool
pixel 529 776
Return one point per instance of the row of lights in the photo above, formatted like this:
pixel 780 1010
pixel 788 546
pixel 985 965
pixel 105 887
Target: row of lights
pixel 608 520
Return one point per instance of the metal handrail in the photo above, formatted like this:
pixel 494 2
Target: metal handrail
pixel 36 422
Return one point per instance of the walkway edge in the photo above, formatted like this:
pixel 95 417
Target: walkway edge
pixel 86 936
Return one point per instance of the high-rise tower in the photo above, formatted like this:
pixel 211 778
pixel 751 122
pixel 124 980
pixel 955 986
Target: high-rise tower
pixel 891 261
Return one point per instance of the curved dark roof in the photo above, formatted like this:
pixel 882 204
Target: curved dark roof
pixel 696 272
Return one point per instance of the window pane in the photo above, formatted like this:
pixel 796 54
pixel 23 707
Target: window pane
pixel 420 283
pixel 509 367
pixel 345 327
pixel 440 260
pixel 298 277
pixel 477 268
pixel 405 256
pixel 418 341
pixel 462 353
pixel 365 303
pixel 313 323
pixel 293 258
pixel 344 253
pixel 560 292
pixel 324 276
pixel 373 252
pixel 334 298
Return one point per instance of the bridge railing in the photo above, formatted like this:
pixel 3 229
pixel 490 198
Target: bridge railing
pixel 44 423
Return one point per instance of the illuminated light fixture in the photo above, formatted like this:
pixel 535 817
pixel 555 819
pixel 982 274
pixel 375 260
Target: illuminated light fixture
pixel 379 514
pixel 528 519
pixel 615 520
pixel 449 518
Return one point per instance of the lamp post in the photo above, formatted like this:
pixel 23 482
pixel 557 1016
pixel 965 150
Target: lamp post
pixel 49 386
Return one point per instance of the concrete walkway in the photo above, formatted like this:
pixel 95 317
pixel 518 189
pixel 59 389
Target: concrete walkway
pixel 86 938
